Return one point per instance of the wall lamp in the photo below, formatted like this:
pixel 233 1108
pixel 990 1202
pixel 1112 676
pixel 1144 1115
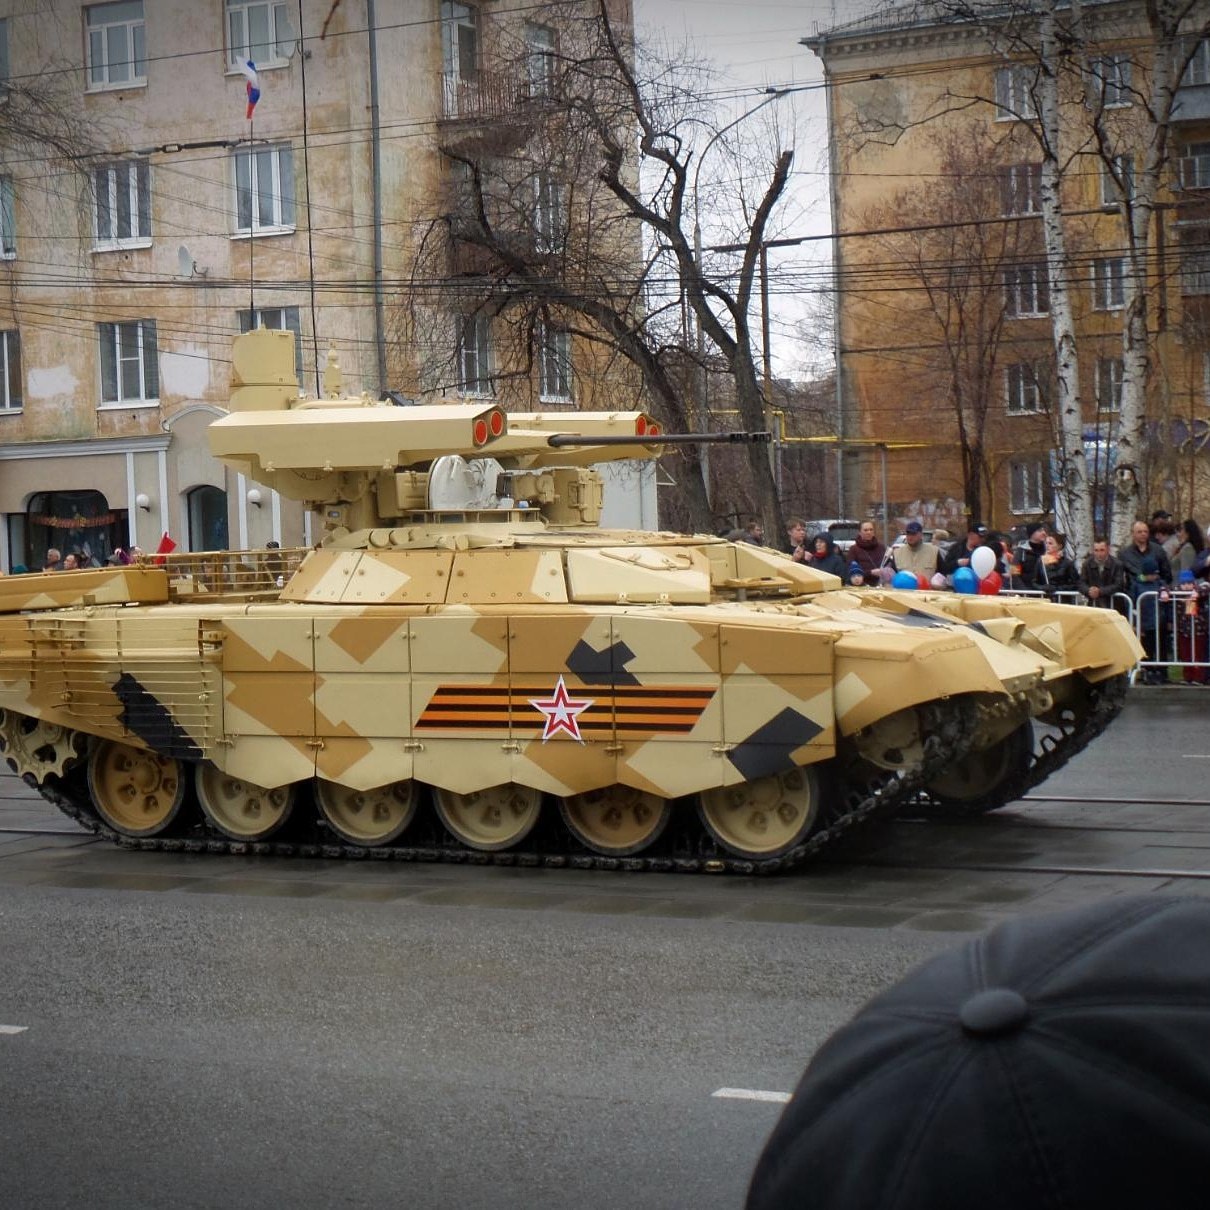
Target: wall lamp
pixel 143 501
pixel 254 497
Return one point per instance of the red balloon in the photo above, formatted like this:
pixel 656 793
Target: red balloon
pixel 991 584
pixel 923 581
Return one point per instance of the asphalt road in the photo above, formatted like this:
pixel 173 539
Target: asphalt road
pixel 226 1032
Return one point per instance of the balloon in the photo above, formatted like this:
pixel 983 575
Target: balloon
pixel 938 581
pixel 965 581
pixel 903 579
pixel 922 581
pixel 983 560
pixel 991 584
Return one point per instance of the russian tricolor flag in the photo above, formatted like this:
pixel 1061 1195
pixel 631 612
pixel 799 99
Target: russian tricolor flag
pixel 249 70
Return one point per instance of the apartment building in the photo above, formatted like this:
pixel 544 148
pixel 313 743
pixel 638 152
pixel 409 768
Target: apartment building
pixel 943 290
pixel 186 219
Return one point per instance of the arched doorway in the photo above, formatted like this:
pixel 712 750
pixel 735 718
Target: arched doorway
pixel 74 523
pixel 207 518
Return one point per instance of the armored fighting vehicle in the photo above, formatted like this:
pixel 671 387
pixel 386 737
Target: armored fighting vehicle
pixel 467 667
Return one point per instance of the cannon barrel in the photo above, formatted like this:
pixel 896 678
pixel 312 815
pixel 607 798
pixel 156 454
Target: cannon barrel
pixel 573 440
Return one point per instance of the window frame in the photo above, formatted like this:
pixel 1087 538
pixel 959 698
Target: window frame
pixel 1197 70
pixel 285 319
pixel 1114 71
pixel 137 188
pixel 554 364
pixel 4 68
pixel 478 380
pixel 147 363
pixel 1014 87
pixel 1196 155
pixel 8 218
pixel 283 224
pixel 1021 382
pixel 1108 283
pixel 548 211
pixel 10 372
pixel 1033 276
pixel 456 16
pixel 1111 372
pixel 1026 486
pixel 239 52
pixel 136 30
pixel 1020 183
pixel 541 49
pixel 1125 168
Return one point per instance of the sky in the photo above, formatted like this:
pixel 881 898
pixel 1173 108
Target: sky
pixel 754 44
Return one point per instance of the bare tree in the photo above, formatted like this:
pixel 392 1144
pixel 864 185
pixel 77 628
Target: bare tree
pixel 940 281
pixel 574 213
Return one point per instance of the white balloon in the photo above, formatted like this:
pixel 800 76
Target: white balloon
pixel 983 560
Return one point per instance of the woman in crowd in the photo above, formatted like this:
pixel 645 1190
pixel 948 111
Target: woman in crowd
pixel 1054 571
pixel 1191 544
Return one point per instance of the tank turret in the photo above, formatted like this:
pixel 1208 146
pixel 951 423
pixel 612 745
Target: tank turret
pixel 468 664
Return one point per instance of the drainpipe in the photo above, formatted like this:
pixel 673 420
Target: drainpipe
pixel 380 345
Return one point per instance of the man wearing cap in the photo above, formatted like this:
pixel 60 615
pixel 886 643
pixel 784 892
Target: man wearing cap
pixel 914 554
pixel 1060 1061
pixel 960 553
pixel 867 552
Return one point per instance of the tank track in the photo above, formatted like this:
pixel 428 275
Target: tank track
pixel 1105 702
pixel 949 728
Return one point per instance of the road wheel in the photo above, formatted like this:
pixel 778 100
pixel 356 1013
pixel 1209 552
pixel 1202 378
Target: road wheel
pixel 367 817
pixel 616 820
pixel 492 819
pixel 765 818
pixel 136 792
pixel 986 780
pixel 241 809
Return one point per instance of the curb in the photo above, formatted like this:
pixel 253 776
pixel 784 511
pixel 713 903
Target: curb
pixel 1188 694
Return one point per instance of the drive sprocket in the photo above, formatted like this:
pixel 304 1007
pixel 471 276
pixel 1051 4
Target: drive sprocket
pixel 32 747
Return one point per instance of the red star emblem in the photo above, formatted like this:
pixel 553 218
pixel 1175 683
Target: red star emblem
pixel 562 712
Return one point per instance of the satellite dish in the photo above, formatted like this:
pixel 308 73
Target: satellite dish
pixel 455 483
pixel 184 261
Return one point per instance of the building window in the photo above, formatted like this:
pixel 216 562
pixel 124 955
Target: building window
pixel 8 225
pixel 1195 268
pixel 539 59
pixel 117 51
pixel 1109 283
pixel 11 395
pixel 475 356
pixel 548 212
pixel 1025 395
pixel 1110 371
pixel 1025 487
pixel 1026 291
pixel 3 54
pixel 459 40
pixel 1117 180
pixel 1112 72
pixel 129 367
pixel 264 190
pixel 554 364
pixel 1195 166
pixel 1015 92
pixel 1021 189
pixel 122 204
pixel 259 31
pixel 1198 69
pixel 281 319
pixel 207 518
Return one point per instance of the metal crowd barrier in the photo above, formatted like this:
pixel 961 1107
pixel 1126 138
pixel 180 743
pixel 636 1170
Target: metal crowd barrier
pixel 1172 627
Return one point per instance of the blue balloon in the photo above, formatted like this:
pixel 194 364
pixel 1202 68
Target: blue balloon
pixel 904 579
pixel 966 581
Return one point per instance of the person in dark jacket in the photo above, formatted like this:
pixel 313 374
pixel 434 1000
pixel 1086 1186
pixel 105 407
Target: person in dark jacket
pixel 1054 571
pixel 868 553
pixel 1148 573
pixel 825 558
pixel 1101 575
pixel 959 555
pixel 1025 558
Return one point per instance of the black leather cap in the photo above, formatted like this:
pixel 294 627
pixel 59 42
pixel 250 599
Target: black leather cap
pixel 1057 1063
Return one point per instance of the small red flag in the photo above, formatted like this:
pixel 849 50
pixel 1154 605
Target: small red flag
pixel 166 547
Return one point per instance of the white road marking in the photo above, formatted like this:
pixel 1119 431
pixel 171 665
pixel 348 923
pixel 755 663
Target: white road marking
pixel 751 1094
pixel 13 1029
pixel 1196 755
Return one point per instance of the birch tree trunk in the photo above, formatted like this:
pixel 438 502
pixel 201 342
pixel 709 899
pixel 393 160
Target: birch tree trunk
pixel 1072 487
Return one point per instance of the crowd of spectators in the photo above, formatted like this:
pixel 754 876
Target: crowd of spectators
pixel 1163 564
